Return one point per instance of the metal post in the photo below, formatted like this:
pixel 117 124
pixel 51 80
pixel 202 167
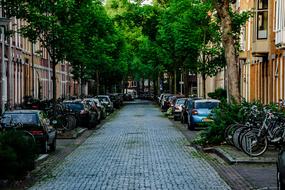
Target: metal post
pixel 49 78
pixel 181 83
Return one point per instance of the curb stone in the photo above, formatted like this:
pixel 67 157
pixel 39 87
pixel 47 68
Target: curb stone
pixel 73 134
pixel 231 160
pixel 41 159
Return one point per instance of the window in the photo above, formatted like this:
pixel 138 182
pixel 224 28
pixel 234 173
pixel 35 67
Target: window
pixel 206 105
pixel 242 38
pixel 262 4
pixel 262 19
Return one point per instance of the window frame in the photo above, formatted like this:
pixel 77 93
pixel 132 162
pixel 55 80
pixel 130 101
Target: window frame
pixel 261 11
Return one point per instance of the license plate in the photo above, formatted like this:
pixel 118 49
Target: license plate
pixel 207 120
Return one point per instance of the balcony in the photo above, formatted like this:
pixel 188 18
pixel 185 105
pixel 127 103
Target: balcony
pixel 280 24
pixel 260 48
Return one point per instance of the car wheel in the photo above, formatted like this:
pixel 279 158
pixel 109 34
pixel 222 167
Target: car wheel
pixel 190 126
pixel 44 147
pixel 186 119
pixel 182 119
pixel 90 124
pixel 53 145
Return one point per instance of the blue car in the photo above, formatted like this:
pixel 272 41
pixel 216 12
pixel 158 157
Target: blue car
pixel 199 112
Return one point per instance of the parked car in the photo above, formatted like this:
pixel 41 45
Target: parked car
pixel 177 108
pixel 94 108
pixel 99 106
pixel 281 170
pixel 199 111
pixel 165 103
pixel 186 109
pixel 36 122
pixel 85 116
pixel 128 97
pixel 116 100
pixel 105 100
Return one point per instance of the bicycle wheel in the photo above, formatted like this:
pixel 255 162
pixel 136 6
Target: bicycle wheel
pixel 242 132
pixel 29 136
pixel 70 122
pixel 237 134
pixel 229 131
pixel 252 144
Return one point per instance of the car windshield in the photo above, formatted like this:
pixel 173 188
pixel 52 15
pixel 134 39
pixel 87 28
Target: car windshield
pixel 206 105
pixel 103 99
pixel 112 97
pixel 74 106
pixel 24 118
pixel 180 101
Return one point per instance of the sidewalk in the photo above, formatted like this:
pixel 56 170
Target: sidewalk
pixel 236 168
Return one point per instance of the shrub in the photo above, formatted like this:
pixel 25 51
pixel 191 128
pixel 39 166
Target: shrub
pixel 225 115
pixel 17 155
pixel 220 94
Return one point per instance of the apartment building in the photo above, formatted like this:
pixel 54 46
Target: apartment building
pixel 262 55
pixel 26 68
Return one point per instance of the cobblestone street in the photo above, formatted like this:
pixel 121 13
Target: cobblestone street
pixel 137 149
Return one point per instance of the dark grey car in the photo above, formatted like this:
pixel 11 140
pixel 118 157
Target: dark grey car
pixel 36 123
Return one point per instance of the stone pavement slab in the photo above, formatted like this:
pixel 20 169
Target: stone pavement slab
pixel 72 134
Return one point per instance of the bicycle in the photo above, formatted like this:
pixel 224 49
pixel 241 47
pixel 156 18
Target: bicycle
pixel 17 127
pixel 63 119
pixel 233 132
pixel 255 142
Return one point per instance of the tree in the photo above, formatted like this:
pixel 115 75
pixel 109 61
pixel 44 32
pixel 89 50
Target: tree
pixel 137 24
pixel 45 23
pixel 230 23
pixel 101 44
pixel 190 39
pixel 77 31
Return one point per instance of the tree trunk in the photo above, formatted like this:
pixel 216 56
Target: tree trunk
pixel 158 84
pixel 170 78
pixel 204 85
pixel 175 82
pixel 154 87
pixel 97 83
pixel 186 82
pixel 143 85
pixel 148 83
pixel 222 8
pixel 53 80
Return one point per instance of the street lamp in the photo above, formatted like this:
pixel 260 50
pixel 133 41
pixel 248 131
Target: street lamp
pixel 181 81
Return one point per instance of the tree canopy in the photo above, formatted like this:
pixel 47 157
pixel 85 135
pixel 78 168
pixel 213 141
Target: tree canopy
pixel 112 41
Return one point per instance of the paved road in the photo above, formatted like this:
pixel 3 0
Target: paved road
pixel 137 149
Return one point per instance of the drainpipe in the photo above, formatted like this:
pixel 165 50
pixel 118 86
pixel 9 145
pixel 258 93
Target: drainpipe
pixel 3 69
pixel 11 75
pixel 33 71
